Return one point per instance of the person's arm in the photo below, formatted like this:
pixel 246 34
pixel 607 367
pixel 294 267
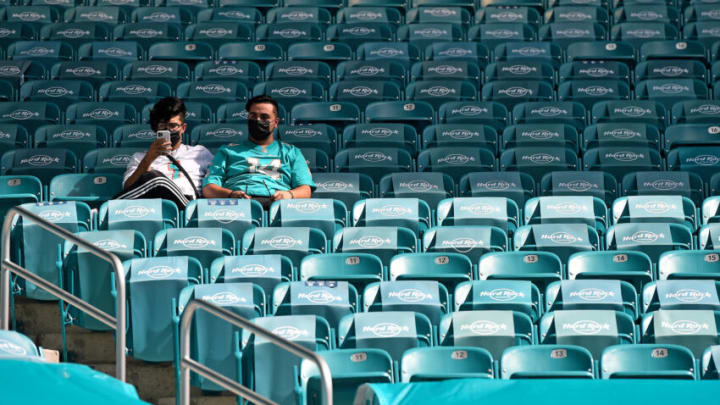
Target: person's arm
pixel 212 184
pixel 301 179
pixel 156 149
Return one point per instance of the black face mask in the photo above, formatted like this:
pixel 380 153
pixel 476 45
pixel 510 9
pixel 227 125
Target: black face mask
pixel 259 130
pixel 174 137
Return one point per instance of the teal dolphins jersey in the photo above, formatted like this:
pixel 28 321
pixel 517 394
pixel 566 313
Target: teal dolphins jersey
pixel 259 171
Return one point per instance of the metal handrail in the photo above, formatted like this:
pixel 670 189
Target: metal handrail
pixel 115 322
pixel 187 364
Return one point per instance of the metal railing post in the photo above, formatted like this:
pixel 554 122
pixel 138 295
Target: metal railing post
pixel 118 322
pixel 187 364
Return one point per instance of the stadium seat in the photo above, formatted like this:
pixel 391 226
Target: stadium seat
pixel 118 53
pixel 292 242
pixel 350 368
pixel 41 163
pixel 589 92
pixel 27 236
pixel 621 160
pixel 565 209
pixel 170 72
pixel 287 33
pixel 364 93
pixel 289 93
pixel 375 70
pixel 429 187
pixel 511 92
pixel 650 238
pixel 704 32
pixel 147 216
pixel 18 72
pixel 437 92
pixel 44 53
pixel 500 212
pixel 621 134
pixel 636 209
pixel 384 242
pixel 513 295
pixel 491 330
pixel 76 33
pixel 593 329
pixel 631 266
pixel 473 52
pixel 61 92
pixel 422 34
pixel 447 268
pixel 204 244
pixel 561 239
pixel 138 92
pixel 277 379
pixel 216 33
pixel 694 329
pixel 446 70
pixel 81 139
pixel 317 160
pixel 18 346
pixel 395 332
pixel 455 161
pixel 326 215
pixel 471 135
pixel 346 187
pixel 647 13
pixel 359 269
pixel 630 111
pixel 538 161
pixel 687 135
pixel 694 159
pixel 446 363
pixel 365 14
pixel 14 136
pixel 108 115
pixel 662 69
pixel 569 14
pixel 155 15
pixel 410 213
pixel 695 111
pixel 547 361
pixel 357 33
pixel 401 52
pixel 388 135
pixel 483 112
pixel 317 136
pixel 566 33
pixel 337 114
pixel 680 294
pixel 214 136
pixel 571 183
pixel 258 52
pixel 516 186
pixel 707 237
pixel 148 33
pixel 655 361
pixel 152 284
pixel 235 215
pixel 329 299
pixel 492 35
pixel 562 112
pixel 688 185
pixel 529 52
pixel 594 70
pixel 91 278
pixel 93 189
pixel 299 70
pixel 329 53
pixel 671 91
pixel 427 297
pixel 109 160
pixel 190 53
pixel 637 34
pixel 373 161
pixel 213 93
pixel 472 241
pixel 613 295
pixel 17 190
pixel 600 51
pixel 498 14
pixel 266 271
pixel 249 73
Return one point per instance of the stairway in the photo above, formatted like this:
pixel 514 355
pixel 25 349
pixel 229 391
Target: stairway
pixel 155 382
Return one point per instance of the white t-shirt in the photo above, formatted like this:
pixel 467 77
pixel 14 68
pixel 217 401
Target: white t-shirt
pixel 195 160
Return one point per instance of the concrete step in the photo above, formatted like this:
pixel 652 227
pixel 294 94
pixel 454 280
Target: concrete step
pixel 93 347
pixel 200 400
pixel 37 317
pixel 152 380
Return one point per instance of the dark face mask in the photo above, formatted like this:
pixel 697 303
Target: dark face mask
pixel 175 137
pixel 259 130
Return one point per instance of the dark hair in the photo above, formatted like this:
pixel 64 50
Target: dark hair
pixel 262 99
pixel 165 109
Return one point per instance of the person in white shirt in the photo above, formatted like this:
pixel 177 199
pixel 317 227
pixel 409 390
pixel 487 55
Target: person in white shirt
pixel 153 174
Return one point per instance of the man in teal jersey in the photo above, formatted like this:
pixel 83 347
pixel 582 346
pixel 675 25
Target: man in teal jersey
pixel 260 168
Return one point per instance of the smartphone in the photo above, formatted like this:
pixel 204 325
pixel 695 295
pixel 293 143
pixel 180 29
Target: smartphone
pixel 164 135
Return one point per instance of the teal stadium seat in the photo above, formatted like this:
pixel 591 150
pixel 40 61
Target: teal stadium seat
pixel 455 161
pixel 93 189
pixel 657 361
pixel 91 278
pixel 190 53
pixel 562 112
pixel 346 187
pixel 81 139
pixel 694 329
pixel 293 242
pixel 44 53
pixel 326 52
pixel 427 297
pixel 676 293
pixel 446 363
pixel 299 70
pixel 354 34
pixel 621 160
pixel 610 70
pixel 62 93
pixel 601 51
pixel 374 70
pixel 337 114
pixel 667 208
pixel 137 92
pixel 152 284
pixel 215 136
pixel 586 210
pixel 473 241
pixel 623 133
pixel 529 52
pixel 236 215
pixel 148 33
pixel 650 238
pixel 402 52
pixel 389 135
pixel 373 161
pixel 446 70
pixel 613 295
pixel 561 239
pixel 108 115
pixel 26 236
pixel 18 346
pixel 287 33
pixel 109 160
pixel 671 91
pixel 41 163
pixel 447 268
pixel 489 113
pixel 497 13
pixel 31 115
pixel 547 361
pixel 437 92
pixel 542 268
pixel 258 52
pixel 170 72
pixel 289 93
pixel 393 331
pixel 694 159
pixel 148 216
pixel 277 380
pixel 473 52
pixel 369 13
pixel 504 295
pixel 516 186
pixel 685 184
pixel 567 33
pixel 318 136
pixel 538 161
pixel 133 135
pixel 326 215
pixel 571 183
pixel 266 271
pixel 695 111
pixel 203 244
pixel 382 241
pixel 249 73
pixel 172 15
pixel 630 111
pixel 593 329
pixel 709 363
pixel 357 268
pixel 349 368
pixel 468 134
pixel 76 33
pixel 330 300
pixel 493 35
pixel 494 331
pixel 216 33
pixel 632 266
pixel 568 14
pixel 17 190
pixel 363 93
pixel 511 92
pixel 429 187
pixel 637 34
pixel 411 213
pixel 422 34
pixel 500 212
pixel 214 342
